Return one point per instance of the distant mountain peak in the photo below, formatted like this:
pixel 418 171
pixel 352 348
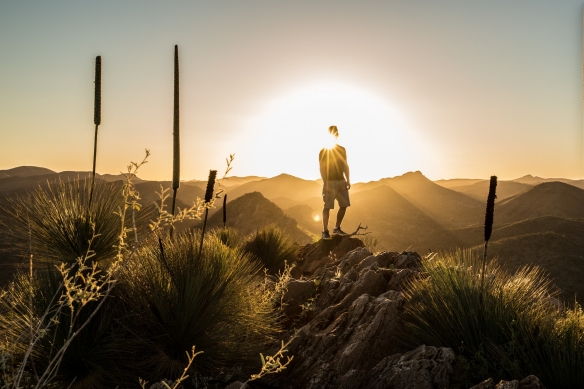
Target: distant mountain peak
pixel 26 171
pixel 409 176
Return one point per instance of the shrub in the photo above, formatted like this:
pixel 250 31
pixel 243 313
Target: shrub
pixel 520 331
pixel 272 247
pixel 230 237
pixel 56 221
pixel 96 357
pixel 179 300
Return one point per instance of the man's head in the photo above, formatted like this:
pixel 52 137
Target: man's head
pixel 334 131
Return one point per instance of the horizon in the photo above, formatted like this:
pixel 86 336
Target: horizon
pixel 452 90
pixel 307 179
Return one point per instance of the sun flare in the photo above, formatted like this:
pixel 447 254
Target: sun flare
pixel 291 130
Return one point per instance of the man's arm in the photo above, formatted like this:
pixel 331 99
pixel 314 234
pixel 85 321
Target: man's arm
pixel 347 171
pixel 347 175
pixel 323 172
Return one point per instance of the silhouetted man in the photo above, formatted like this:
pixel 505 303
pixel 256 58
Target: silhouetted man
pixel 334 171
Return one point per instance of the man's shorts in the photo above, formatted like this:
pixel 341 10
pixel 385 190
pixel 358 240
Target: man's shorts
pixel 337 189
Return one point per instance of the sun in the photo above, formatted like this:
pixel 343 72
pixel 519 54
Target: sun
pixel 286 135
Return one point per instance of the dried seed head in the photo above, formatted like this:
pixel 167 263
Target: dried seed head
pixel 97 100
pixel 489 216
pixel 210 186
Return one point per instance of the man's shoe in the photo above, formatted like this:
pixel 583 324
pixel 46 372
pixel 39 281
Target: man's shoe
pixel 338 231
pixel 326 235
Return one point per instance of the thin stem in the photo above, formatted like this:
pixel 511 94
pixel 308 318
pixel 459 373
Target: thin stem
pixel 482 291
pixel 173 204
pixel 203 232
pixel 93 172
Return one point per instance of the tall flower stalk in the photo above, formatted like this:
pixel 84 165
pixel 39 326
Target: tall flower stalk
pixel 489 217
pixel 175 134
pixel 208 198
pixel 96 121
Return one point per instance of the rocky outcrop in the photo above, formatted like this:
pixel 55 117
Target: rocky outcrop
pixel 349 338
pixel 314 256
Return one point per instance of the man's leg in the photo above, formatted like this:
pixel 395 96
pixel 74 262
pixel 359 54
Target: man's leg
pixel 340 216
pixel 325 218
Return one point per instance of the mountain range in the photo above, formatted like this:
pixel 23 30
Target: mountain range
pixel 537 220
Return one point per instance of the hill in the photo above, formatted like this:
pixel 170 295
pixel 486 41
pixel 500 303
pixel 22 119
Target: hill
pixel 284 185
pixel 446 207
pixel 252 211
pixel 535 180
pixel 15 184
pixel 393 219
pixel 25 171
pixel 561 256
pixel 547 199
pixel 454 182
pixel 480 190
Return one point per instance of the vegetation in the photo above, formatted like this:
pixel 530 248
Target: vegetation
pixel 58 224
pixel 521 330
pixel 96 358
pixel 272 247
pixel 230 237
pixel 178 299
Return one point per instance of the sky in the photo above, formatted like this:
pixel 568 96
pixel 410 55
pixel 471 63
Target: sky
pixel 454 89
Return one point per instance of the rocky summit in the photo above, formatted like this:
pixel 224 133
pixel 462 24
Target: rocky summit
pixel 348 305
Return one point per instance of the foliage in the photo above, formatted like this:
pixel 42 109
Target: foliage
pixel 272 247
pixel 93 357
pixel 44 317
pixel 521 329
pixel 178 299
pixel 56 220
pixel 230 237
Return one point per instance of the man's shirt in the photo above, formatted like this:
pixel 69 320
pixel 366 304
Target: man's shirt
pixel 333 162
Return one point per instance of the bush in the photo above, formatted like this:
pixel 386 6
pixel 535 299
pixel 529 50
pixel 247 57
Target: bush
pixel 272 247
pixel 96 358
pixel 520 329
pixel 230 237
pixel 56 222
pixel 179 300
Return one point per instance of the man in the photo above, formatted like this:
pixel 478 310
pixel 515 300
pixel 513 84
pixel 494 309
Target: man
pixel 334 171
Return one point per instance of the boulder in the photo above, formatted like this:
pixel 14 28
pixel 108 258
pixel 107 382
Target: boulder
pixel 353 258
pixel 316 255
pixel 299 290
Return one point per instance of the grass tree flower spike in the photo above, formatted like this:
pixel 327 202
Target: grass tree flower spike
pixel 208 198
pixel 489 217
pixel 490 208
pixel 210 186
pixel 175 133
pixel 96 121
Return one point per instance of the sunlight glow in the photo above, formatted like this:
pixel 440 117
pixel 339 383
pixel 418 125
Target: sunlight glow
pixel 289 132
pixel 316 218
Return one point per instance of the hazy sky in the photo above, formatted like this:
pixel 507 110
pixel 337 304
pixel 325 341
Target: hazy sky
pixel 450 88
